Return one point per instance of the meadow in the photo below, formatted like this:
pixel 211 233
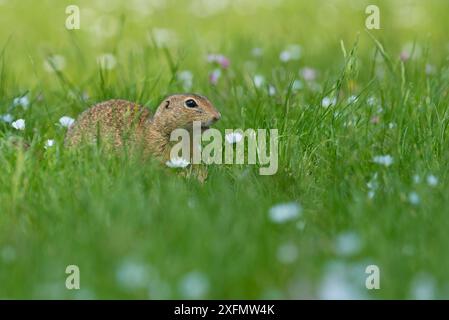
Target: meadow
pixel 363 151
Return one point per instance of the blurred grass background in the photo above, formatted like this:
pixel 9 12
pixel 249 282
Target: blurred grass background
pixel 142 232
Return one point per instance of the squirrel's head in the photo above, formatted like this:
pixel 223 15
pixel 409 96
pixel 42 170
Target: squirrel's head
pixel 181 110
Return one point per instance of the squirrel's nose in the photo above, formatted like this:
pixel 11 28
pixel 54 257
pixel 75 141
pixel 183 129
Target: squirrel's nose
pixel 217 116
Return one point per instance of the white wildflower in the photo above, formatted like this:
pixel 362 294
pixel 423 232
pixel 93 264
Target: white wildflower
pixel 19 124
pixel 49 143
pixel 8 118
pixel 66 121
pixel 257 52
pixel 259 80
pixel 233 137
pixel 385 160
pixel 416 179
pixel 413 198
pixel 21 101
pixel 348 244
pixel 432 180
pixel 327 102
pixel 284 212
pixel 352 99
pixel 423 287
pixel 287 253
pixel 186 78
pixel 107 61
pixel 194 285
pixel 54 63
pixel 177 162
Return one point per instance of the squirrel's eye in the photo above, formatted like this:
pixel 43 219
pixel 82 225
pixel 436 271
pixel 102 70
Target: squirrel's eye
pixel 190 103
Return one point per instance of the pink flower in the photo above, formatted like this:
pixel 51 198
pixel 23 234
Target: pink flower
pixel 214 76
pixel 375 120
pixel 220 59
pixel 404 56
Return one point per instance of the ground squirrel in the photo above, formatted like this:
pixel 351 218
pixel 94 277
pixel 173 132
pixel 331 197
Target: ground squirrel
pixel 120 122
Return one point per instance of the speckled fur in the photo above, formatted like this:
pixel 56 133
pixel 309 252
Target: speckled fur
pixel 119 122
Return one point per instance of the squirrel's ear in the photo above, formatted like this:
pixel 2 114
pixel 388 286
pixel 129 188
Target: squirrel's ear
pixel 167 104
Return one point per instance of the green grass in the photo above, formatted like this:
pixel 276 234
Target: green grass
pixel 141 231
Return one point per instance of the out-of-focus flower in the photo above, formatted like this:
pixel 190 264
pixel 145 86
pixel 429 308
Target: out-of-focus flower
pixel 8 118
pixel 219 59
pixel 186 78
pixel 194 285
pixel 259 80
pixel 49 143
pixel 19 124
pixel 348 244
pixel 292 52
pixel 308 74
pixel 164 37
pixel 214 76
pixel 287 253
pixel 375 120
pixel 257 52
pixel 430 69
pixel 107 61
pixel 54 63
pixel 385 160
pixel 177 162
pixel 297 85
pixel 234 137
pixel 432 180
pixel 423 287
pixel 21 101
pixel 66 121
pixel 285 212
pixel 413 198
pixel 327 102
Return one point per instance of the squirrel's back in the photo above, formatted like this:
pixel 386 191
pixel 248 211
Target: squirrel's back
pixel 112 121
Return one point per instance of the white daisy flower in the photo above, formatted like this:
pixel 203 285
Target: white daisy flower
pixel 234 137
pixel 177 163
pixel 271 90
pixel 66 121
pixel 432 180
pixel 385 160
pixel 19 124
pixel 285 212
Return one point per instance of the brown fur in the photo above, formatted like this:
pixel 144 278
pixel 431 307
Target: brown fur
pixel 119 122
